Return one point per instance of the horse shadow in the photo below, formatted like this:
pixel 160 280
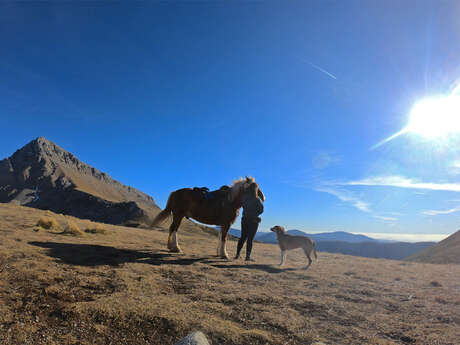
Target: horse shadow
pixel 96 255
pixel 92 255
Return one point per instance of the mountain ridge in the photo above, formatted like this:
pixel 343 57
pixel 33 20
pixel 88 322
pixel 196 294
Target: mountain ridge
pixel 43 175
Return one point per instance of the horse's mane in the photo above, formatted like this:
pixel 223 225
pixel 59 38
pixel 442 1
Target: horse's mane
pixel 247 179
pixel 238 184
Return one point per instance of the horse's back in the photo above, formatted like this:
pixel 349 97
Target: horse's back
pixel 207 207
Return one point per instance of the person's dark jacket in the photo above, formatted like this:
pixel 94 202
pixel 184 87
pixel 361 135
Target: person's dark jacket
pixel 252 207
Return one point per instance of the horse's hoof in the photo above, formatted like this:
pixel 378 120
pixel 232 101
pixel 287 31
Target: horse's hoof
pixel 175 250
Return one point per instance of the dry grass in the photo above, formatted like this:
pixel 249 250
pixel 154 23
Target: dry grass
pixel 96 228
pixel 72 229
pixel 47 222
pixel 125 288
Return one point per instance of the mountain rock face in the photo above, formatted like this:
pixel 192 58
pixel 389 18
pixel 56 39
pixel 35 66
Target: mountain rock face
pixel 445 252
pixel 45 176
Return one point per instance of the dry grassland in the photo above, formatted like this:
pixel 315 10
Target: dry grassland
pixel 124 288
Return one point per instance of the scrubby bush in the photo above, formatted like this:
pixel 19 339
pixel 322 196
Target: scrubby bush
pixel 48 223
pixel 72 229
pixel 96 229
pixel 435 283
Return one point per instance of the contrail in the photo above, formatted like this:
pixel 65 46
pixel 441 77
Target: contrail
pixel 321 70
pixel 384 141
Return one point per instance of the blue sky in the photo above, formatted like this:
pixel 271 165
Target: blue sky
pixel 167 95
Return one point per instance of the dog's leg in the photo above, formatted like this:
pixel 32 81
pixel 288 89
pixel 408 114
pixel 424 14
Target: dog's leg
pixel 309 259
pixel 283 257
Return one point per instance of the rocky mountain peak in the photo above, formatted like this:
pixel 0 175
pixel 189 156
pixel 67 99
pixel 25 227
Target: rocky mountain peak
pixel 42 174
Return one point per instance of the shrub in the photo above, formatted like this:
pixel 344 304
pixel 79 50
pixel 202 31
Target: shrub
pixel 96 229
pixel 48 223
pixel 72 229
pixel 435 283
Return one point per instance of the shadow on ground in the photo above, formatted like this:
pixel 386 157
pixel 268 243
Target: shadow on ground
pixel 96 255
pixel 266 268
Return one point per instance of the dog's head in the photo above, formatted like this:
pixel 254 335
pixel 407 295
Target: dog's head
pixel 278 229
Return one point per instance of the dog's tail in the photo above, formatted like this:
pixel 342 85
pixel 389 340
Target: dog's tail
pixel 314 250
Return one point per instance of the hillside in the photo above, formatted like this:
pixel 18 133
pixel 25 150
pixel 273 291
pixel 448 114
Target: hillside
pixel 124 288
pixel 446 251
pixel 45 176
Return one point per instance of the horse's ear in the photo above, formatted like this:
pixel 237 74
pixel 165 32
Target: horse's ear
pixel 250 179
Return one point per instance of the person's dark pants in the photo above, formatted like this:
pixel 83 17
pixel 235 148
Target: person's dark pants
pixel 248 232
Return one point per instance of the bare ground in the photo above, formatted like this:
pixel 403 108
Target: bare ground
pixel 124 288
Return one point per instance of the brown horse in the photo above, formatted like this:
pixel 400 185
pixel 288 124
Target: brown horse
pixel 221 207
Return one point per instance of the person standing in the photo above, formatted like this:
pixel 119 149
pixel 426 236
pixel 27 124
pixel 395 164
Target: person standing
pixel 253 207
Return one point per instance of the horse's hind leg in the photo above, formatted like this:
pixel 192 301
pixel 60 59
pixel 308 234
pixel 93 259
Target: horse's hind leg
pixel 173 244
pixel 222 245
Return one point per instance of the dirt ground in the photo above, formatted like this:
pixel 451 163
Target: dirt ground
pixel 123 287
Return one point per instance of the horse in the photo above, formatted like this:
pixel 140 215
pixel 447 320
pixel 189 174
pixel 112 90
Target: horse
pixel 220 207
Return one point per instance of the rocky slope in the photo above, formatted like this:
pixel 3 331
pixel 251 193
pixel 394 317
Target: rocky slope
pixel 45 176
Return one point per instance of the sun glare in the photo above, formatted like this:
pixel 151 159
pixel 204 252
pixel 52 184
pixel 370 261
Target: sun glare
pixel 432 118
pixel 435 117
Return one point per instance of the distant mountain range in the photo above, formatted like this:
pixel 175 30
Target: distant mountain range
pixel 395 250
pixel 342 236
pixel 350 244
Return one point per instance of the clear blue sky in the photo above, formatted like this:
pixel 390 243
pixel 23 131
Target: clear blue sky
pixel 169 95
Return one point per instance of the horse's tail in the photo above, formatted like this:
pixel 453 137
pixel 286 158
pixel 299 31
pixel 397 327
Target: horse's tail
pixel 314 250
pixel 163 214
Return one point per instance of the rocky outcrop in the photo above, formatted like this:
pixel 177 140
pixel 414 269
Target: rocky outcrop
pixel 195 338
pixel 45 176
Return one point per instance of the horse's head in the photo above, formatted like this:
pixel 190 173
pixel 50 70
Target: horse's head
pixel 242 185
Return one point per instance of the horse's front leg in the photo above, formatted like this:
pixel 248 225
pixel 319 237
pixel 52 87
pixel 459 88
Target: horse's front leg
pixel 222 245
pixel 173 243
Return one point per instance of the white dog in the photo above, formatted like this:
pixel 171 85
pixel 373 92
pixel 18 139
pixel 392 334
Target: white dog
pixel 288 242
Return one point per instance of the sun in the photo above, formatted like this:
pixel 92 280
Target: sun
pixel 435 117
